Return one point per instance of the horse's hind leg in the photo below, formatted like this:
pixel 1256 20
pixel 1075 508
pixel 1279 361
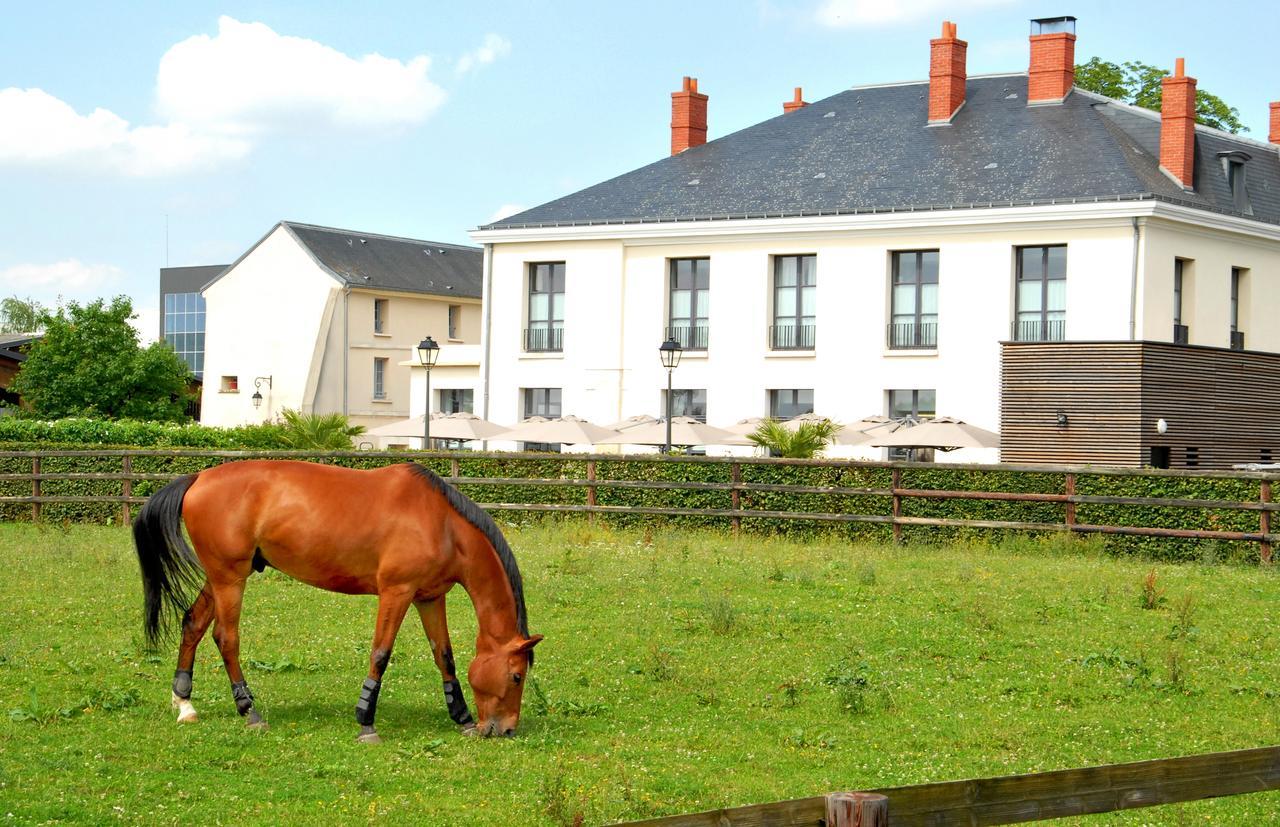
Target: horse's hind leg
pixel 194 625
pixel 392 606
pixel 227 598
pixel 435 624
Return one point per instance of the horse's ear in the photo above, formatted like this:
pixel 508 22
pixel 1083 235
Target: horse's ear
pixel 528 645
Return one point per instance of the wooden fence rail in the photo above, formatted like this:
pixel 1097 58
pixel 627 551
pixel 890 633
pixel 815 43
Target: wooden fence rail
pixel 1034 797
pixel 895 496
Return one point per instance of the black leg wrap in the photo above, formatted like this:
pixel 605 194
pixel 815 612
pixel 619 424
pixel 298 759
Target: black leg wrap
pixel 367 706
pixel 182 684
pixel 457 704
pixel 244 698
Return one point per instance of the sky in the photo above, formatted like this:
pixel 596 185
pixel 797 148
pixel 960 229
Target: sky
pixel 138 135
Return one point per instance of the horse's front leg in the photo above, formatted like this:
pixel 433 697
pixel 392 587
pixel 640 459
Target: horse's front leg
pixel 437 629
pixel 392 605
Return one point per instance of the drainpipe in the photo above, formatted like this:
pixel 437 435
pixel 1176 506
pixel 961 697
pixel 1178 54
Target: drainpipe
pixel 1133 282
pixel 346 346
pixel 486 336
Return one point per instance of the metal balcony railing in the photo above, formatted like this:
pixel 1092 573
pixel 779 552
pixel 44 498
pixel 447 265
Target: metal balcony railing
pixel 690 338
pixel 911 336
pixel 544 339
pixel 1237 340
pixel 1040 331
pixel 792 336
pixel 1181 334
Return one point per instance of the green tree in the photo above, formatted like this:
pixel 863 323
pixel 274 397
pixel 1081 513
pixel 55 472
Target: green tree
pixel 20 315
pixel 1139 84
pixel 802 442
pixel 318 432
pixel 89 363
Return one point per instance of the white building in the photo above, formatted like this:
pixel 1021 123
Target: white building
pixel 321 320
pixel 870 253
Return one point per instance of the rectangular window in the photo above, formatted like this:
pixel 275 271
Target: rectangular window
pixel 229 384
pixel 546 308
pixel 913 321
pixel 459 400
pixel 919 404
pixel 690 302
pixel 380 315
pixel 1237 335
pixel 541 402
pixel 795 303
pixel 785 404
pixel 1181 333
pixel 1041 297
pixel 184 328
pixel 688 403
pixel 455 321
pixel 379 378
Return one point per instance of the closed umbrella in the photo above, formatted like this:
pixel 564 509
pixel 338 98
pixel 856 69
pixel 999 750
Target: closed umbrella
pixel 685 430
pixel 943 434
pixel 460 425
pixel 566 430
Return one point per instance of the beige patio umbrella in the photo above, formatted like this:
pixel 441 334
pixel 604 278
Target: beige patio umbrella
pixel 633 422
pixel 942 433
pixel 807 418
pixel 746 426
pixel 864 430
pixel 685 430
pixel 460 425
pixel 566 430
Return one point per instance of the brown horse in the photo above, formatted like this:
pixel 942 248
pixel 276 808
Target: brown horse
pixel 399 532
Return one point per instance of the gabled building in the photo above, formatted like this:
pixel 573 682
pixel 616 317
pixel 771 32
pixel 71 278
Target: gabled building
pixel 182 311
pixel 896 249
pixel 322 320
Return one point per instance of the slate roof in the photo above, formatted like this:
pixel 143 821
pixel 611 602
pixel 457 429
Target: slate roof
pixel 869 150
pixel 407 265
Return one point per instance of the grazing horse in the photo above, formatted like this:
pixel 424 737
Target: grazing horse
pixel 399 532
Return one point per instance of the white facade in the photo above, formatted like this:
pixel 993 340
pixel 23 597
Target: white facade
pixel 1120 259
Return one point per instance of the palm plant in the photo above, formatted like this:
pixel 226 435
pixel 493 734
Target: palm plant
pixel 305 431
pixel 802 442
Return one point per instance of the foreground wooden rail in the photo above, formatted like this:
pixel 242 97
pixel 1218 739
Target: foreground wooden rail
pixel 1035 797
pixel 894 496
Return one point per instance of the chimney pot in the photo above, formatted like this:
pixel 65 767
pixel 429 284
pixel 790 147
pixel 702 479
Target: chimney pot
pixel 798 102
pixel 1052 72
pixel 1274 136
pixel 947 74
pixel 688 117
pixel 1178 125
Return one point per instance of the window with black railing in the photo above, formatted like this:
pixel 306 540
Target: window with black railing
pixel 1041 295
pixel 546 307
pixel 688 402
pixel 1181 334
pixel 795 303
pixel 690 302
pixel 541 402
pixel 914 312
pixel 914 404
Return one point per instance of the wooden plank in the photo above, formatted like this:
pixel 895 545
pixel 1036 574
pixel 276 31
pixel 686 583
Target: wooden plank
pixel 1071 506
pixel 735 496
pixel 591 490
pixel 35 489
pixel 126 463
pixel 897 505
pixel 1264 521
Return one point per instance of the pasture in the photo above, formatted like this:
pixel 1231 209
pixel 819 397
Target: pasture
pixel 681 671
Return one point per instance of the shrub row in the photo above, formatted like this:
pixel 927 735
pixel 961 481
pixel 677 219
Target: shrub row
pixel 843 475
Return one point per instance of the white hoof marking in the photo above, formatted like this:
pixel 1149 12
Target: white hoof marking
pixel 186 712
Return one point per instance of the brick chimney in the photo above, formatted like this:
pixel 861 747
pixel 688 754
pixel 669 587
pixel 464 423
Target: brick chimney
pixel 946 74
pixel 1274 136
pixel 1178 125
pixel 798 102
pixel 1053 59
pixel 688 117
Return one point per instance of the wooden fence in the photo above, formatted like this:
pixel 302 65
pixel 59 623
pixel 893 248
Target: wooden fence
pixel 894 495
pixel 1033 797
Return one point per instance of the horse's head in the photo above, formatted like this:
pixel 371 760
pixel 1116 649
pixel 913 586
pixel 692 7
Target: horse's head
pixel 497 684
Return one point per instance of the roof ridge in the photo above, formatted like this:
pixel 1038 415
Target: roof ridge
pixel 322 228
pixel 926 80
pixel 1153 115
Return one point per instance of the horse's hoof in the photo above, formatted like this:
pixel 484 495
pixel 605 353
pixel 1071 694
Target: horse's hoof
pixel 189 718
pixel 470 731
pixel 368 738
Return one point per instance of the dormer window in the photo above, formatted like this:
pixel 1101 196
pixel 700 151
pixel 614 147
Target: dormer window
pixel 1233 167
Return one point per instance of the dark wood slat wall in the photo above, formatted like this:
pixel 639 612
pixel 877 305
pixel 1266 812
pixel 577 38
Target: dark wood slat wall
pixel 1224 403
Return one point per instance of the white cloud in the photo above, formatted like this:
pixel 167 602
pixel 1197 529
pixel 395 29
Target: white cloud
pixel 38 128
pixel 493 47
pixel 870 13
pixel 70 278
pixel 247 79
pixel 504 211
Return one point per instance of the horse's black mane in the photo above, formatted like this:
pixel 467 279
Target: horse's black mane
pixel 480 518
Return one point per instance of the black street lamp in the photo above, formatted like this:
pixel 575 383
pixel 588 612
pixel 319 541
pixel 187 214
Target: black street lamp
pixel 257 390
pixel 428 353
pixel 670 352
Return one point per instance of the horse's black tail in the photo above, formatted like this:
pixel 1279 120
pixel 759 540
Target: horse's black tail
pixel 171 573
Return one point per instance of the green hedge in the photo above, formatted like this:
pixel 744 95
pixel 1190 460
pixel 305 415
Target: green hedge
pixel 842 475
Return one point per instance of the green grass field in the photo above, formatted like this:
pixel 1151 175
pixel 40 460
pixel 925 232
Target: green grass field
pixel 681 671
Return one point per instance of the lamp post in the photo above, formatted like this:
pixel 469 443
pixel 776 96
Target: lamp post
pixel 428 352
pixel 257 390
pixel 670 352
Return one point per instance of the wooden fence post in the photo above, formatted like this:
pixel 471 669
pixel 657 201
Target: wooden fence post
pixel 127 464
pixel 1264 521
pixel 897 505
pixel 1071 507
pixel 591 492
pixel 455 469
pixel 35 489
pixel 735 496
pixel 857 810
